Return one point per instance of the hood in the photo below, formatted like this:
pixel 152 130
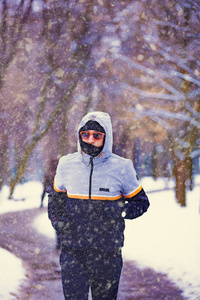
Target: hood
pixel 104 120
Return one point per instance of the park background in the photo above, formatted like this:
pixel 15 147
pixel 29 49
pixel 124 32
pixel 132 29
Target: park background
pixel 137 60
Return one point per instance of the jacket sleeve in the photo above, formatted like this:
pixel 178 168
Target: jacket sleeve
pixel 136 199
pixel 58 180
pixel 136 205
pixel 56 205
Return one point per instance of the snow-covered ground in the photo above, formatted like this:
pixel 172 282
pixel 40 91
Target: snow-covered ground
pixel 11 274
pixel 166 238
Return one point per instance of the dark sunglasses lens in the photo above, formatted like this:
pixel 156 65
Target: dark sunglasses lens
pixel 85 135
pixel 97 136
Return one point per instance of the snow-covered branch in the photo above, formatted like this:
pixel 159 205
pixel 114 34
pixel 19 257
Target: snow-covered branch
pixel 156 74
pixel 148 94
pixel 194 113
pixel 185 77
pixel 171 115
pixel 164 23
pixel 195 153
pixel 164 124
pixel 170 56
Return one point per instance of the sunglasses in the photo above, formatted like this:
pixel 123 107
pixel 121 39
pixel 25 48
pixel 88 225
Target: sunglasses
pixel 96 135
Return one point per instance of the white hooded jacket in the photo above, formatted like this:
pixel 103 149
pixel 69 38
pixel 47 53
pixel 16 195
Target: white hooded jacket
pixel 113 177
pixel 98 191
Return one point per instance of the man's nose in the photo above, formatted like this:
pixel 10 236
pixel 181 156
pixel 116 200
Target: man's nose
pixel 91 139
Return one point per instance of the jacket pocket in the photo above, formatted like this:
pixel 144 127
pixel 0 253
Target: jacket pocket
pixel 113 210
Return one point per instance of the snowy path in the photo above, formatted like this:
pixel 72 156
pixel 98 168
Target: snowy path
pixel 41 259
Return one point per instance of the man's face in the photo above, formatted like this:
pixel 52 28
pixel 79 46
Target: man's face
pixel 91 134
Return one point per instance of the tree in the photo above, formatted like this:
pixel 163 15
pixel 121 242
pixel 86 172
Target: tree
pixel 65 71
pixel 158 65
pixel 13 19
pixel 136 60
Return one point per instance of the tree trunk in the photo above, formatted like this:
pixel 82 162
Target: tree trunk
pixel 180 182
pixel 63 138
pixel 22 167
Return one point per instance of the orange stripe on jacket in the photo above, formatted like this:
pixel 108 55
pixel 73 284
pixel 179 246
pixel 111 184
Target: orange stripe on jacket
pixel 134 192
pixel 57 190
pixel 84 197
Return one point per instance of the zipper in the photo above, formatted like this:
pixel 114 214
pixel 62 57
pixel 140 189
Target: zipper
pixel 90 180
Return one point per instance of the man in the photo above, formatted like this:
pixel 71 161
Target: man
pixel 95 190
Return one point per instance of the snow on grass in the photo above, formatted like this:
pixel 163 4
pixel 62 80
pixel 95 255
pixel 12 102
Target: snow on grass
pixel 11 275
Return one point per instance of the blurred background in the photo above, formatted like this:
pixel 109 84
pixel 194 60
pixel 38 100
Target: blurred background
pixel 139 61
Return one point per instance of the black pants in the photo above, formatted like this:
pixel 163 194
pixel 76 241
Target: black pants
pixel 82 269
